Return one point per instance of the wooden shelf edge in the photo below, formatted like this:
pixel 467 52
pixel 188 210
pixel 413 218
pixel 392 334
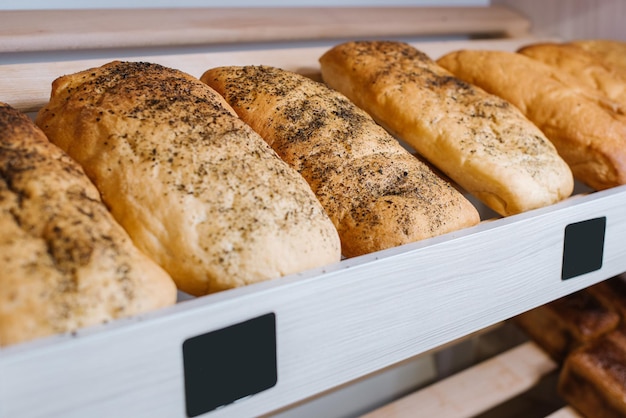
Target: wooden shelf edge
pixel 25 84
pixel 501 378
pixel 46 30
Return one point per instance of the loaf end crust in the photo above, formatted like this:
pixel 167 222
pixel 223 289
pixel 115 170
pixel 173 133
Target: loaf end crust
pixel 66 263
pixel 610 51
pixel 583 66
pixel 587 130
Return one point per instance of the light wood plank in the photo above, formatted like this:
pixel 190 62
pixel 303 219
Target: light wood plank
pixel 26 86
pixel 72 29
pixel 573 19
pixel 476 389
pixel 565 412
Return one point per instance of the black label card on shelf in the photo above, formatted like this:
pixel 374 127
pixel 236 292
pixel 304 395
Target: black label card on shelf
pixel 228 364
pixel 583 249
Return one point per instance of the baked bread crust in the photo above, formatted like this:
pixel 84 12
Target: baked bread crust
pixel 196 188
pixel 588 131
pixel 66 263
pixel 479 140
pixel 612 294
pixel 377 194
pixel 593 378
pixel 611 52
pixel 563 325
pixel 585 66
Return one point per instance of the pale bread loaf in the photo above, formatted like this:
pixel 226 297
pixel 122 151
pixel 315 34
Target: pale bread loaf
pixel 587 129
pixel 610 51
pixel 377 194
pixel 196 188
pixel 66 263
pixel 584 66
pixel 477 139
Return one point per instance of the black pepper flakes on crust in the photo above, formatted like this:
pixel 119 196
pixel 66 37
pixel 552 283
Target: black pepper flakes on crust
pixel 196 188
pixel 376 193
pixel 478 140
pixel 61 250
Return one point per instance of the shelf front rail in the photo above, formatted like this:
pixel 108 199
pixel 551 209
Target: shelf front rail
pixel 332 325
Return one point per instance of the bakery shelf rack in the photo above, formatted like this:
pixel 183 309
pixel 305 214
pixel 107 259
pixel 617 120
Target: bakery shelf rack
pixel 308 333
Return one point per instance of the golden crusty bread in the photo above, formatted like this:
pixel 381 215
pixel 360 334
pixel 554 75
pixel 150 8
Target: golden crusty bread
pixel 611 52
pixel 564 324
pixel 477 139
pixel 593 377
pixel 196 188
pixel 582 65
pixel 588 130
pixel 612 294
pixel 66 263
pixel 377 194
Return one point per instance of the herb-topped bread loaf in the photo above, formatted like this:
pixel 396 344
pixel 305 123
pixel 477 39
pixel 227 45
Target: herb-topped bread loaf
pixel 196 188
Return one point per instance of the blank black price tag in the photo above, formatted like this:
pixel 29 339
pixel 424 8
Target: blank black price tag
pixel 584 247
pixel 229 364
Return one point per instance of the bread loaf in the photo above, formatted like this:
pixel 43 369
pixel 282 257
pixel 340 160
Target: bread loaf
pixel 562 325
pixel 588 131
pixel 377 194
pixel 196 188
pixel 593 378
pixel 584 66
pixel 612 294
pixel 611 52
pixel 479 140
pixel 66 263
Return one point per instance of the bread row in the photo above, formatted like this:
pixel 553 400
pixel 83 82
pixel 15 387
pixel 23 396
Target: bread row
pixel 574 96
pixel 376 193
pixel 251 173
pixel 195 188
pixel 585 333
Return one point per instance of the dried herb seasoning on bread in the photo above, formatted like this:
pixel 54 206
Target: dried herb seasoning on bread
pixel 377 194
pixel 196 188
pixel 66 263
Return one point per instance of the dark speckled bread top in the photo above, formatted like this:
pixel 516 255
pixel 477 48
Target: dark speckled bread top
pixel 196 188
pixel 377 194
pixel 479 140
pixel 66 263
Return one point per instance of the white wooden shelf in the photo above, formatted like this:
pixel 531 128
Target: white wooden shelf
pixel 333 325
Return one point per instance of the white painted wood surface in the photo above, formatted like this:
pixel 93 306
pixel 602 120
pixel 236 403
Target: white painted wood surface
pixel 333 325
